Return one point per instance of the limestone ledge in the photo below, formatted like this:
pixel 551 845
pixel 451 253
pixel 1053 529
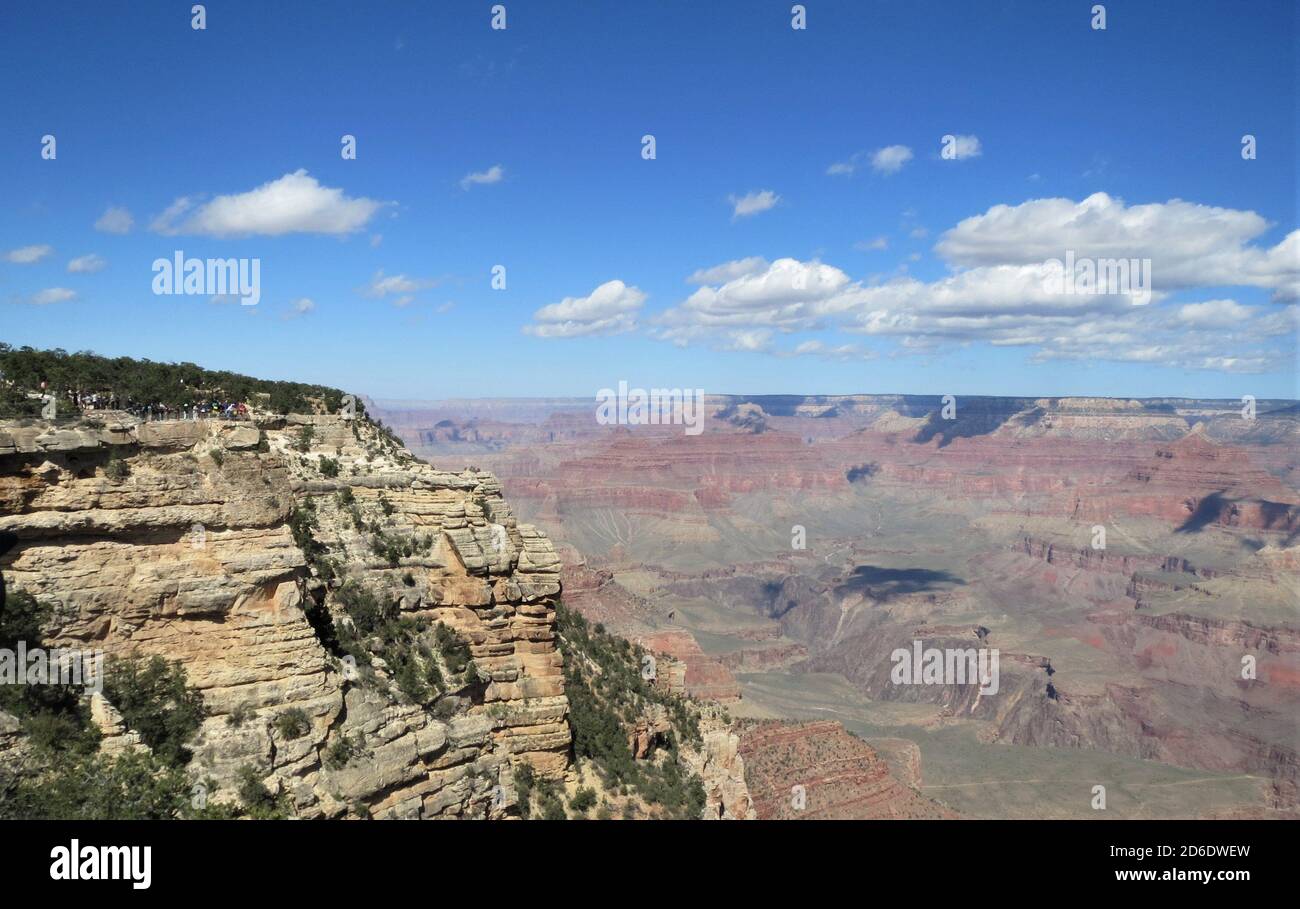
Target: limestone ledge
pixel 189 555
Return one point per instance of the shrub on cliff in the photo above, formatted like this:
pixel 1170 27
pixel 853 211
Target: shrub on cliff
pixel 117 470
pixel 293 723
pixel 134 786
pixel 367 611
pixel 342 752
pixel 583 800
pixel 156 701
pixel 54 717
pixel 305 436
pixel 607 693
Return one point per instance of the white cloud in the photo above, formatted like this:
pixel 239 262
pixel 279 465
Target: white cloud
pixel 845 168
pixel 827 352
pixel 964 147
pixel 302 306
pixel 493 174
pixel 879 243
pixel 400 286
pixel 753 339
pixel 48 296
pixel 609 309
pixel 295 203
pixel 1215 313
pixel 1188 244
pixel 890 159
pixel 999 292
pixel 27 255
pixel 115 220
pixel 86 265
pixel 752 203
pixel 783 295
pixel 728 271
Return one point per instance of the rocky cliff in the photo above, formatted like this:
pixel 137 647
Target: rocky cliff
pixel 228 547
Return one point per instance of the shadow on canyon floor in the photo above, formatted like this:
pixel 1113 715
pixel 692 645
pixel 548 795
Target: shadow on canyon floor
pixel 886 583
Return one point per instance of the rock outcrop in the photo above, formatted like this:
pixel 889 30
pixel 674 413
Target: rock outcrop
pixel 812 771
pixel 175 539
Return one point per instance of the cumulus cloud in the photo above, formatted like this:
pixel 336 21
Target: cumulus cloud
pixel 301 307
pixel 728 271
pixel 609 309
pixel 1215 313
pixel 962 147
pixel 890 159
pixel 752 203
pixel 784 295
pixel 493 174
pixel 1189 245
pixel 115 220
pixel 1004 288
pixel 295 203
pixel 87 265
pixel 27 255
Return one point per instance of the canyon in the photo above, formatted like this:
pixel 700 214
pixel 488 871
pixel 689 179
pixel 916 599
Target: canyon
pixel 1134 561
pixel 238 550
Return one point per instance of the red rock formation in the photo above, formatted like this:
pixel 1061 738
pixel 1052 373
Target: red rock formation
pixel 841 777
pixel 706 677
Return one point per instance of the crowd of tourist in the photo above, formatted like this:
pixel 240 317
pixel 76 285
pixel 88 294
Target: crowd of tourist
pixel 150 411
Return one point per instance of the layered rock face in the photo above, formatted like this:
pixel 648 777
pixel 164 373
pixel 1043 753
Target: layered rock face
pixel 802 537
pixel 174 539
pixel 704 677
pixel 818 771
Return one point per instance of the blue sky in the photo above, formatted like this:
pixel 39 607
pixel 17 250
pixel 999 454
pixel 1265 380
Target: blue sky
pixel 874 270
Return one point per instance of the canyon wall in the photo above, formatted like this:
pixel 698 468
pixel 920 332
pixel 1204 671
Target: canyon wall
pixel 174 538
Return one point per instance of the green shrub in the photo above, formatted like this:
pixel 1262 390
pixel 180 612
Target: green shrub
pixel 524 780
pixel 259 802
pixel 117 470
pixel 55 716
pixel 240 715
pixel 156 701
pixel 293 723
pixel 583 800
pixel 342 751
pixel 454 648
pixel 329 467
pixel 606 693
pixel 305 436
pixel 132 786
